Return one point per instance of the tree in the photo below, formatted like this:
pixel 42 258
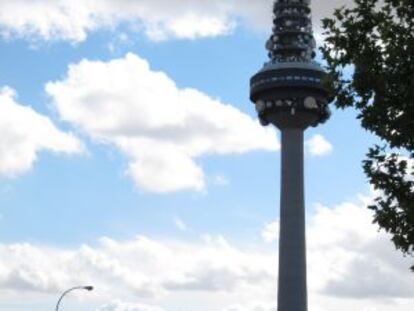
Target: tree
pixel 375 39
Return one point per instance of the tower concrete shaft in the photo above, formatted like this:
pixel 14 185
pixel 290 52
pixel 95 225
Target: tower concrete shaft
pixel 292 285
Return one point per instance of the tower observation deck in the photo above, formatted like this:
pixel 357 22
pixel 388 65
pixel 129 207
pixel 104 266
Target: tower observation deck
pixel 288 93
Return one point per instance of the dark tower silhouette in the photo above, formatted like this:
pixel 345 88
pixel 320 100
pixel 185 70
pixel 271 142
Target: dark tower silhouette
pixel 288 93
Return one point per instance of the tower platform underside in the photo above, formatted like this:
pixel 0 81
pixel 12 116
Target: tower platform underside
pixel 283 93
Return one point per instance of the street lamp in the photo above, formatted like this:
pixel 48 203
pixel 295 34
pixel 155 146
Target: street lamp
pixel 88 288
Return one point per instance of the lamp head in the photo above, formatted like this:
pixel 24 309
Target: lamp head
pixel 89 288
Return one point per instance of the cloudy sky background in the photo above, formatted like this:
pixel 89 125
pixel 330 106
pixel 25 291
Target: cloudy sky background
pixel 131 159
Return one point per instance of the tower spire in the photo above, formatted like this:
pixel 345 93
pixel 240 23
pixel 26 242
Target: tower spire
pixel 292 37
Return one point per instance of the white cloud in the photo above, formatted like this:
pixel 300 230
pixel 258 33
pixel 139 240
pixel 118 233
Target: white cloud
pixel 73 20
pixel 350 264
pixel 410 166
pixel 160 128
pixel 318 146
pixel 25 133
pixel 350 258
pixel 118 305
pixel 253 307
pixel 143 267
pixel 270 232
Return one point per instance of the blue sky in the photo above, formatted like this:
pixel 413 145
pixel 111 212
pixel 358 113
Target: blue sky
pixel 142 169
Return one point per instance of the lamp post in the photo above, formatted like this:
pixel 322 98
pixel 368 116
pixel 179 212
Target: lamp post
pixel 88 288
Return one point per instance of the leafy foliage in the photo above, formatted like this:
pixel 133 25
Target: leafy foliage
pixel 374 39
